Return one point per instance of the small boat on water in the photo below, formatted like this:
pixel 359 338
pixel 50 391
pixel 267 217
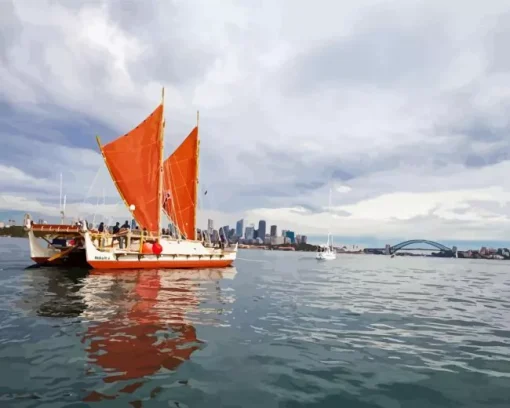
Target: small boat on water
pixel 326 252
pixel 150 187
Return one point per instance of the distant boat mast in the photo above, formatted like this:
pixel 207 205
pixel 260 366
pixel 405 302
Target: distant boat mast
pixel 62 202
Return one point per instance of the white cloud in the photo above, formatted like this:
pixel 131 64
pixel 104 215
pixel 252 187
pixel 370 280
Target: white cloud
pixel 401 105
pixel 10 175
pixel 342 189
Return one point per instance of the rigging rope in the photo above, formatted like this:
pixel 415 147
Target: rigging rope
pixel 91 185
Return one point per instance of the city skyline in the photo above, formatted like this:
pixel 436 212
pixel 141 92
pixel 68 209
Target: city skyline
pixel 16 217
pixel 407 124
pixel 250 233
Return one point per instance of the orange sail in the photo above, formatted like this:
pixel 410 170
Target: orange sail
pixel 134 162
pixel 180 185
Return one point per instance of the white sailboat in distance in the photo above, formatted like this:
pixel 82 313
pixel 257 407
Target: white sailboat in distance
pixel 326 252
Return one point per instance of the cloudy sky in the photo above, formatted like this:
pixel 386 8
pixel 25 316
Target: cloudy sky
pixel 402 106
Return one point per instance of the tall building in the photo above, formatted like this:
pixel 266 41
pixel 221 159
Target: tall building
pixel 262 230
pixel 249 232
pixel 225 230
pixel 274 230
pixel 284 233
pixel 133 224
pixel 277 240
pixel 240 228
pixel 210 226
pixel 304 239
pixel 291 236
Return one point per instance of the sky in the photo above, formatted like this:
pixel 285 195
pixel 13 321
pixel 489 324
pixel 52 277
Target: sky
pixel 400 107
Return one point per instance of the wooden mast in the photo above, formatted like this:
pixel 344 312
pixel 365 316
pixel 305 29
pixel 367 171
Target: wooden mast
pixel 196 181
pixel 161 160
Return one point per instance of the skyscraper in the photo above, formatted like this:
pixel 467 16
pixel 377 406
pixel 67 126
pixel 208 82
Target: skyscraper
pixel 274 230
pixel 210 226
pixel 240 228
pixel 248 232
pixel 262 229
pixel 291 236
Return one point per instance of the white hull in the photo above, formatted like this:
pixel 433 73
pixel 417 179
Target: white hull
pixel 325 256
pixel 38 252
pixel 176 254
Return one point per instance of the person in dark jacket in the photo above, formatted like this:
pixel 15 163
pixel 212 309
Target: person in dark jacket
pixel 115 231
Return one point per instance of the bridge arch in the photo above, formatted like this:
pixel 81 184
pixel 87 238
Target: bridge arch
pixel 434 244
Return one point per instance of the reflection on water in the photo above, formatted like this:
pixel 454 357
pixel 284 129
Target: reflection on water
pixel 136 323
pixel 140 323
pixel 61 295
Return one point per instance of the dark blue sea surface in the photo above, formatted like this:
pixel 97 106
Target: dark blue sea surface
pixel 278 330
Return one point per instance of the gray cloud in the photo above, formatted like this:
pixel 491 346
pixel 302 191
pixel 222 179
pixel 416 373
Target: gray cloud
pixel 388 100
pixel 174 55
pixel 385 51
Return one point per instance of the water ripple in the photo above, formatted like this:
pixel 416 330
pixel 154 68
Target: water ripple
pixel 362 331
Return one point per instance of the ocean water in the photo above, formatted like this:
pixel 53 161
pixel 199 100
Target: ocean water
pixel 278 330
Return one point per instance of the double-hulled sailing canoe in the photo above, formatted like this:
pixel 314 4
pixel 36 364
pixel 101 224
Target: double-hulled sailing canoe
pixel 150 187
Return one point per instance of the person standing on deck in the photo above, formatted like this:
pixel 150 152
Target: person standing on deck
pixel 115 231
pixel 100 229
pixel 124 240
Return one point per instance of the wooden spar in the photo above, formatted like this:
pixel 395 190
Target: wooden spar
pixel 98 140
pixel 195 195
pixel 161 160
pixel 60 254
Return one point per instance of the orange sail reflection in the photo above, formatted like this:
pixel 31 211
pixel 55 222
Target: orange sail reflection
pixel 139 342
pixel 134 162
pixel 180 185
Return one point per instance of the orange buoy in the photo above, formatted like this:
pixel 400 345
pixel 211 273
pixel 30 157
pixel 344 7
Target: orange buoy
pixel 157 248
pixel 147 248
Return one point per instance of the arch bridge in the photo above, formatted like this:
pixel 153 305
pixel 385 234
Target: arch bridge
pixel 434 244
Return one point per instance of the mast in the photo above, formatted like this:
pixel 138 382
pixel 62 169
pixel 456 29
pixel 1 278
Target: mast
pixel 195 190
pixel 330 244
pixel 60 202
pixel 161 160
pixel 64 209
pixel 60 197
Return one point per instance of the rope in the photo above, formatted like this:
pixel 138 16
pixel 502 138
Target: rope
pixel 92 184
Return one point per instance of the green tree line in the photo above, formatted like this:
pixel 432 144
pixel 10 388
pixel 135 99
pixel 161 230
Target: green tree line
pixel 16 231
